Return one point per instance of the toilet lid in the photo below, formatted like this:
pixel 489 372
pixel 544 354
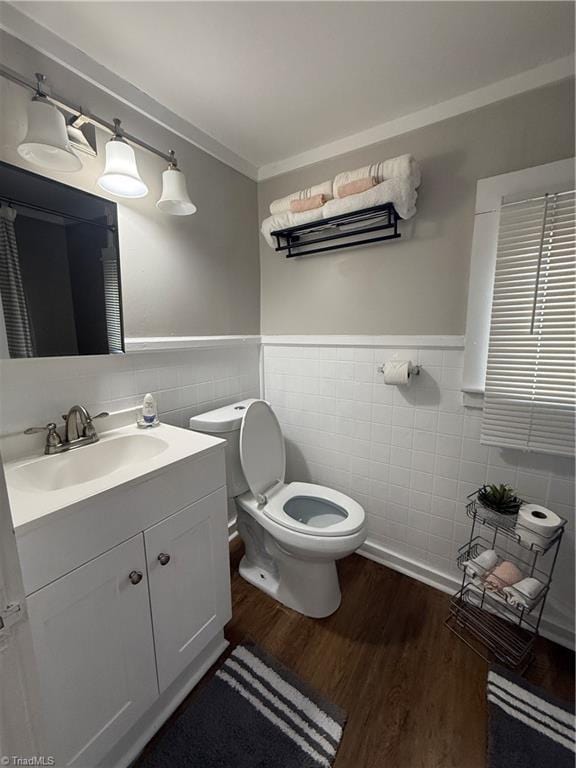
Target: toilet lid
pixel 262 452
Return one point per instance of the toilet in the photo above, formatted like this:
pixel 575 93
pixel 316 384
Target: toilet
pixel 293 532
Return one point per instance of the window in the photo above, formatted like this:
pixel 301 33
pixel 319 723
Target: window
pixel 530 378
pixel 522 369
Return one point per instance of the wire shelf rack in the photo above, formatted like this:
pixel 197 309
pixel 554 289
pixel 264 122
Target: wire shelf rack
pixel 481 613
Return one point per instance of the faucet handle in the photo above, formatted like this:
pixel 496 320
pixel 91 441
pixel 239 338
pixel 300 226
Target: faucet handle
pixel 89 429
pixel 34 430
pixel 98 416
pixel 53 439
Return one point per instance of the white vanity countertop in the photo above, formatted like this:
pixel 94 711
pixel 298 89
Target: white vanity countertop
pixel 41 485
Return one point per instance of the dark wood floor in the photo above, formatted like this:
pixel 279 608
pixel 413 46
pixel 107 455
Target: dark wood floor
pixel 415 694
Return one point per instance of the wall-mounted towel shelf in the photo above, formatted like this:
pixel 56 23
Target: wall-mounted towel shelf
pixel 347 227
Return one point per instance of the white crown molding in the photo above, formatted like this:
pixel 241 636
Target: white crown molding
pixel 358 340
pixel 503 89
pixel 21 26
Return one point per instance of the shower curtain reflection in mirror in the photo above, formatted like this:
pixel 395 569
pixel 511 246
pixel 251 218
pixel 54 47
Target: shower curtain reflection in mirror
pixel 15 310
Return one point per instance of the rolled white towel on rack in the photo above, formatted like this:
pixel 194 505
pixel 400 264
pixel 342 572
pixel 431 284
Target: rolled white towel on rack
pixel 282 205
pixel 403 167
pixel 398 191
pixel 525 593
pixel 480 566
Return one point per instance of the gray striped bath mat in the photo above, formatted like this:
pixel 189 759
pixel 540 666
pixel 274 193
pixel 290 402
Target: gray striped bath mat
pixel 527 728
pixel 253 713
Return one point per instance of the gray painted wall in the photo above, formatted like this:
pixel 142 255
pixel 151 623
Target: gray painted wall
pixel 204 274
pixel 417 284
pixel 181 276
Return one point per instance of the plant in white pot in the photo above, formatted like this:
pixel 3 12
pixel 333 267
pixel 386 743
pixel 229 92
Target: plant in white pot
pixel 500 498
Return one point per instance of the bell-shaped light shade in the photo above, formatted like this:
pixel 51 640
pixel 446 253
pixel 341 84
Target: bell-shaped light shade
pixel 121 175
pixel 175 199
pixel 46 142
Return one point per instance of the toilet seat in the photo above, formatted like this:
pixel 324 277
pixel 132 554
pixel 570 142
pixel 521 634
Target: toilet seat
pixel 347 515
pixel 302 507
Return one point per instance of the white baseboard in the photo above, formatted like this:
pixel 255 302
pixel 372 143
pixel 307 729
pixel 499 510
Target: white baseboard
pixel 419 571
pixel 558 630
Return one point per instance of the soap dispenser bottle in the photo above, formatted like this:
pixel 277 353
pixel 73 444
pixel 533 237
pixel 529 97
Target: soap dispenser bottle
pixel 149 417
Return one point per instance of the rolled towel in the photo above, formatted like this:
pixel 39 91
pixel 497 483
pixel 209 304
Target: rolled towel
pixel 298 206
pixel 524 593
pixel 479 567
pixel 354 187
pixel 403 167
pixel 504 575
pixel 400 192
pixel 283 204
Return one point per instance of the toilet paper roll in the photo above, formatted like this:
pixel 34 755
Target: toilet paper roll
pixel 397 372
pixel 538 519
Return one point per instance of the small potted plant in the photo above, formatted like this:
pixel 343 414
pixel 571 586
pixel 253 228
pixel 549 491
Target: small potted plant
pixel 500 499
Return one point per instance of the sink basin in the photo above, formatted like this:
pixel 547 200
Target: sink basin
pixel 41 488
pixel 82 465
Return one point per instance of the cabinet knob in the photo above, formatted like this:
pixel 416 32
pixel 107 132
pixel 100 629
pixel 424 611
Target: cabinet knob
pixel 135 577
pixel 163 558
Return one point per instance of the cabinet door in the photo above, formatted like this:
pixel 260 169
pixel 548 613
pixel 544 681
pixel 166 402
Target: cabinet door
pixel 190 592
pixel 92 635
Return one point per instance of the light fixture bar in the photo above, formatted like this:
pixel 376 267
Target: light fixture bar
pixel 99 122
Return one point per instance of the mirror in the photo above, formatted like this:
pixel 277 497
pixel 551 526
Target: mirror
pixel 59 269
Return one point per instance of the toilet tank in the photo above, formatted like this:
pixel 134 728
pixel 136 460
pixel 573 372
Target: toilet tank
pixel 225 423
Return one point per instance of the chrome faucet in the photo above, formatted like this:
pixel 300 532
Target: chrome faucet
pixel 77 423
pixel 79 430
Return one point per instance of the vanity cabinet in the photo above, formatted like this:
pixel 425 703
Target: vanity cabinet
pixel 189 587
pixel 92 633
pixel 121 638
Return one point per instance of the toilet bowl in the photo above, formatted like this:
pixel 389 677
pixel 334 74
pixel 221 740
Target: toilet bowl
pixel 293 532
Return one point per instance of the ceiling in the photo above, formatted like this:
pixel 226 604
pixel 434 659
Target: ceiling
pixel 270 80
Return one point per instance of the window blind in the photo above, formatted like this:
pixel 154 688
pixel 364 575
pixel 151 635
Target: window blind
pixel 531 382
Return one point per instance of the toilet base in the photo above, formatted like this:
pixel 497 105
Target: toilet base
pixel 307 587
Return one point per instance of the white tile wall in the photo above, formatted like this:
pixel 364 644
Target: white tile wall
pixel 409 455
pixel 185 382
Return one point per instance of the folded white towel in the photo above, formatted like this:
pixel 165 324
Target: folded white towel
pixel 399 191
pixel 283 204
pixel 479 567
pixel 404 167
pixel 525 593
pixel 287 219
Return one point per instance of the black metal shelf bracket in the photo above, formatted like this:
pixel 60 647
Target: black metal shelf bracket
pixel 346 227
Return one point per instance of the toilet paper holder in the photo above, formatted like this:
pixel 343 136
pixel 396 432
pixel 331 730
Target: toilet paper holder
pixel 414 369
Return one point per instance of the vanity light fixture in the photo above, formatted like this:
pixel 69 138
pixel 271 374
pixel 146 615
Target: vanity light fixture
pixel 46 142
pixel 121 175
pixel 175 199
